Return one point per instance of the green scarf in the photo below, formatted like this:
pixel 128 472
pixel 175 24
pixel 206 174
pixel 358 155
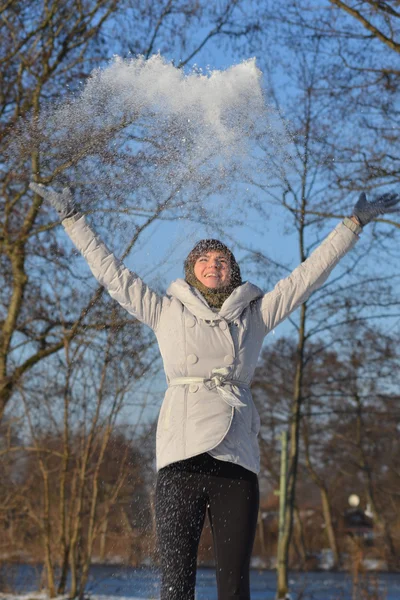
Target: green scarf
pixel 215 297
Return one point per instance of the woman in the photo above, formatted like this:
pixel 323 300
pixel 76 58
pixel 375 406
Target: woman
pixel 210 328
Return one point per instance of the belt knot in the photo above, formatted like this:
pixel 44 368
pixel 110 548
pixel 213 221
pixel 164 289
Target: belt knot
pixel 219 377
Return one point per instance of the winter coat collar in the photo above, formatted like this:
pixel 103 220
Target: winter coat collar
pixel 197 305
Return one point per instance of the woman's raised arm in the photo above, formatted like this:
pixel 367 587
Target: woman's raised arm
pixel 122 284
pixel 292 291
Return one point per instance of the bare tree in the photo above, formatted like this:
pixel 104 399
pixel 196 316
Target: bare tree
pixel 41 56
pixel 306 189
pixel 360 42
pixel 82 463
pixel 348 426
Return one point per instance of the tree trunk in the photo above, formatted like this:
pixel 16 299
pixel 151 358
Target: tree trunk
pixel 64 546
pixel 51 587
pixel 103 539
pixel 283 554
pixel 91 532
pixel 326 506
pixel 330 531
pixel 64 571
pixel 300 541
pixel 76 526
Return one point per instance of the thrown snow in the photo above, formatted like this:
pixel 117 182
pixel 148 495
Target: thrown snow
pixel 154 87
pixel 148 129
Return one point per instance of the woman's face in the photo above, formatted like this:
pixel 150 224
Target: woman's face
pixel 213 269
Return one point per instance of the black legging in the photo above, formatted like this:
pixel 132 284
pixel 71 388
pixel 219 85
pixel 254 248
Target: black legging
pixel 230 494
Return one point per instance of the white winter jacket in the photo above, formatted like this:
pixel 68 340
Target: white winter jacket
pixel 209 357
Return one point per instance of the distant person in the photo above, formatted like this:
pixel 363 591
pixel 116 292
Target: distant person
pixel 210 328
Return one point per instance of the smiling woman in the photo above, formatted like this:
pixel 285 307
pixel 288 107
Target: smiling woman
pixel 210 328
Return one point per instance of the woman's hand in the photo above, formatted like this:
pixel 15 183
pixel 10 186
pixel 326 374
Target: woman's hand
pixel 63 203
pixel 366 211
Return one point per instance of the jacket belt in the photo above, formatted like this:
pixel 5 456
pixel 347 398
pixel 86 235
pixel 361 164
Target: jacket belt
pixel 218 380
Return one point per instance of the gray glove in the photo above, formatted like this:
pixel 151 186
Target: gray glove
pixel 63 203
pixel 367 211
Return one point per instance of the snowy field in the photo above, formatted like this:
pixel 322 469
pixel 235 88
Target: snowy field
pixel 115 583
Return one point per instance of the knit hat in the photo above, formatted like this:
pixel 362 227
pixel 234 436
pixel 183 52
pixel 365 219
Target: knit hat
pixel 215 297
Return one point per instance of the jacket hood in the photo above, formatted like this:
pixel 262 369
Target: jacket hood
pixel 197 304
